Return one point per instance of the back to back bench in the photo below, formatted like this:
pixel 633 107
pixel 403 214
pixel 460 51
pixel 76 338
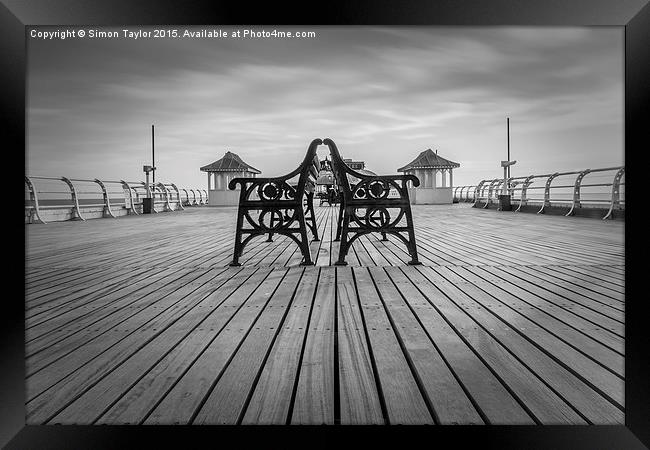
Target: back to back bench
pixel 367 206
pixel 280 205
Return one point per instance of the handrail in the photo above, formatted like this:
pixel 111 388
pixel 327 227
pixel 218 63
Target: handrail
pixel 78 208
pixel 520 187
pixel 493 184
pixel 107 205
pixel 33 196
pixel 130 190
pixel 74 199
pixel 616 186
pixel 165 191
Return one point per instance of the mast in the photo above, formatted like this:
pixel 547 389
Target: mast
pixel 153 157
pixel 508 132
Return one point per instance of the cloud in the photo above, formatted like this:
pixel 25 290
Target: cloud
pixel 382 93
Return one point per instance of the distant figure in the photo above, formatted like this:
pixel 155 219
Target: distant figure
pixel 332 196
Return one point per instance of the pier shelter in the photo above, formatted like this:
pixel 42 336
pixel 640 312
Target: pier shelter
pixel 436 178
pixel 219 175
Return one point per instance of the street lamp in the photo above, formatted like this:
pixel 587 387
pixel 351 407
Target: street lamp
pixel 147 203
pixel 504 197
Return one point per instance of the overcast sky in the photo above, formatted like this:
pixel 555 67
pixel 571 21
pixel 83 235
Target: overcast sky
pixel 382 94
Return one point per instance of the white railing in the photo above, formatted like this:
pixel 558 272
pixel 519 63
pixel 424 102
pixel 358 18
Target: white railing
pixel 61 198
pixel 594 189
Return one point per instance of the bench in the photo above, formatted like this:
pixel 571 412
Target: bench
pixel 284 208
pixel 330 197
pixel 366 207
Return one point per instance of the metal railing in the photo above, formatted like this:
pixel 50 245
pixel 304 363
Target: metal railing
pixel 62 198
pixel 599 189
pixel 463 193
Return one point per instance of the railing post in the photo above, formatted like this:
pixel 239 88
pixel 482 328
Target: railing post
pixel 467 193
pixel 490 190
pixel 524 188
pixel 576 192
pixel 107 203
pixel 131 206
pixel 616 193
pixel 164 190
pixel 547 192
pixel 479 186
pixel 187 196
pixel 35 212
pixel 73 192
pixel 178 194
pixel 460 194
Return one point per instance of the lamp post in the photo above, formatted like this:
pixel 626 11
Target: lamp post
pixel 147 203
pixel 153 157
pixel 504 197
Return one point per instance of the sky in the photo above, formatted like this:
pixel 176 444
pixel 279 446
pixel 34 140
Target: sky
pixel 383 94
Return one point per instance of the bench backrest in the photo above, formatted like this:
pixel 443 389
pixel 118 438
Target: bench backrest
pixel 340 168
pixel 278 189
pixel 371 187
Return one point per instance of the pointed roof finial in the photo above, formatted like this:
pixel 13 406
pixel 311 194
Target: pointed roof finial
pixel 429 160
pixel 231 162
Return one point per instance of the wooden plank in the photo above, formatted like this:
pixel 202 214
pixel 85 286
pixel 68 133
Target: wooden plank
pixel 598 325
pixel 181 404
pixel 227 402
pixel 104 313
pixel 74 325
pixel 482 383
pixel 441 389
pixel 321 253
pixel 271 399
pixel 359 397
pixel 521 310
pixel 122 338
pixel 314 396
pixel 402 398
pixel 43 311
pixel 590 403
pixel 140 373
pixel 61 382
pixel 603 285
pixel 613 308
pixel 579 285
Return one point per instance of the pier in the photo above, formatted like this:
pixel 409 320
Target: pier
pixel 512 319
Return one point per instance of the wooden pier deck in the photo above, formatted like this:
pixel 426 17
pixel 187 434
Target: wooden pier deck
pixel 512 319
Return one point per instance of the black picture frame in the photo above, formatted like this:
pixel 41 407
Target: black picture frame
pixel 633 15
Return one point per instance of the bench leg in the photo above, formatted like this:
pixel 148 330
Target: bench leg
pixel 412 247
pixel 344 247
pixel 238 247
pixel 304 241
pixel 383 237
pixel 270 238
pixel 339 222
pixel 312 217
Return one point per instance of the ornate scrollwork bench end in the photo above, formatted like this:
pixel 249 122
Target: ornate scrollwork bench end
pixel 274 206
pixel 366 206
